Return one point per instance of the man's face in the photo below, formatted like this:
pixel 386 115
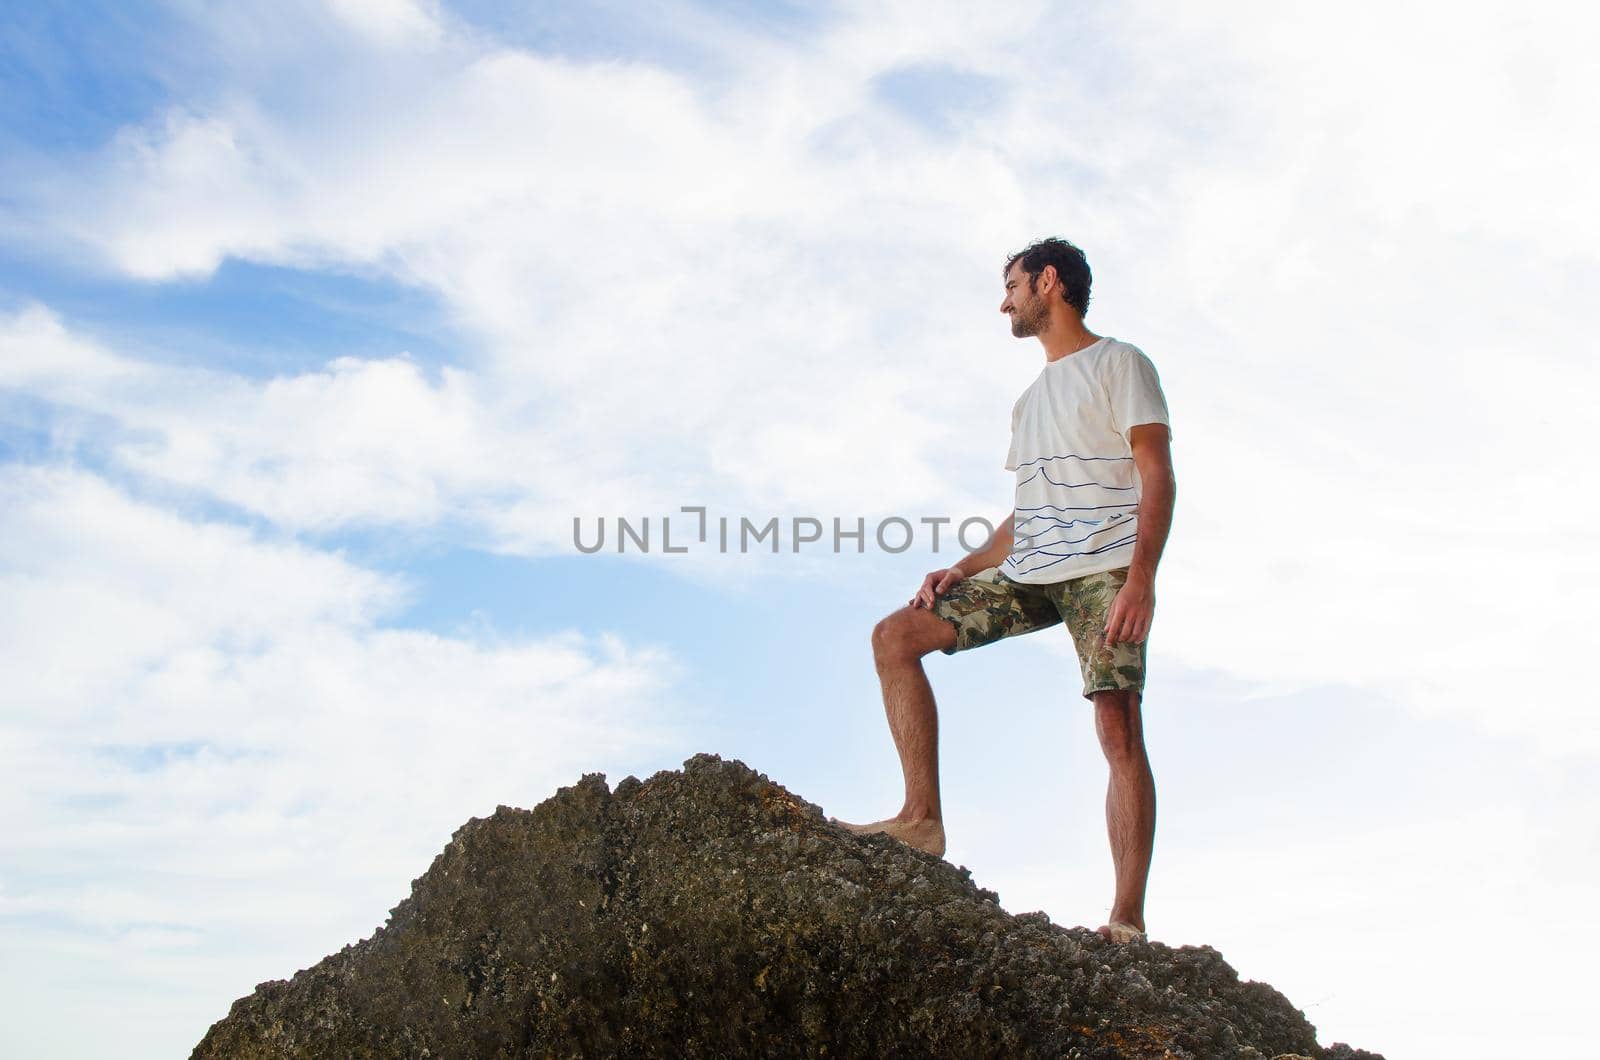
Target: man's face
pixel 1023 304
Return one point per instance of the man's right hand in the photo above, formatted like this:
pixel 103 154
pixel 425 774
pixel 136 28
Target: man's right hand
pixel 935 585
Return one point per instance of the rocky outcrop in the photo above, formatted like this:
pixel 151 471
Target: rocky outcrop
pixel 709 912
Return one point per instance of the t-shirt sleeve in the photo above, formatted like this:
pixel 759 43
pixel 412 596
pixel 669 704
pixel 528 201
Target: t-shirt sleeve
pixel 1135 392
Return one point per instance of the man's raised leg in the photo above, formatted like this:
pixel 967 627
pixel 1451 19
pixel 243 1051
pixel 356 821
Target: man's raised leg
pixel 1130 808
pixel 898 644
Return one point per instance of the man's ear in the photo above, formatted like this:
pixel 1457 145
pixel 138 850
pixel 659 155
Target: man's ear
pixel 1048 278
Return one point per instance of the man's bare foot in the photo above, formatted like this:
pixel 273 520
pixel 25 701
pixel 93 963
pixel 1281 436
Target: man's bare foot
pixel 926 835
pixel 1117 931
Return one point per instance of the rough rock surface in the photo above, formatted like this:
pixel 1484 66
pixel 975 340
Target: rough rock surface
pixel 709 912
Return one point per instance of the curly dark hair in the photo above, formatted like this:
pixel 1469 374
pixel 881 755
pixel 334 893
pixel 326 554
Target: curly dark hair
pixel 1071 266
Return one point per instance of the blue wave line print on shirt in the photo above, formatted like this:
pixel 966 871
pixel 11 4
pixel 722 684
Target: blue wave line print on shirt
pixel 1067 485
pixel 1070 456
pixel 1084 508
pixel 1064 524
pixel 1069 555
pixel 1036 547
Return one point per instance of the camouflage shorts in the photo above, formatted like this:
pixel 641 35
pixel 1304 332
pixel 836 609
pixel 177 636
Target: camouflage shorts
pixel 989 606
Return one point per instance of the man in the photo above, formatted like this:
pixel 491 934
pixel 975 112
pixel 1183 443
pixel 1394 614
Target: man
pixel 1090 445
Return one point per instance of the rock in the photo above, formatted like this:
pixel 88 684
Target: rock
pixel 710 912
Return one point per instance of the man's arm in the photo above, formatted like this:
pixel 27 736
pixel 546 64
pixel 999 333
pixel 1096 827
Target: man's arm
pixel 997 548
pixel 1134 608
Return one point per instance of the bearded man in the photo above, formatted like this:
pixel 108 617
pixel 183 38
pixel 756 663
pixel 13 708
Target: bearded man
pixel 1090 447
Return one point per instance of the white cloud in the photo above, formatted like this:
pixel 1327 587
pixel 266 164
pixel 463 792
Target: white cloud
pixel 778 297
pixel 359 442
pixel 675 282
pixel 391 22
pixel 215 744
pixel 40 355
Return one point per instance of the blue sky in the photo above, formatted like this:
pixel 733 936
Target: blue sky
pixel 321 321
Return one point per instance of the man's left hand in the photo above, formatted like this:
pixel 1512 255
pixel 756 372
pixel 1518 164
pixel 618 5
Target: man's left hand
pixel 1131 612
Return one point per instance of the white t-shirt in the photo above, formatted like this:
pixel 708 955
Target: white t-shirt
pixel 1077 489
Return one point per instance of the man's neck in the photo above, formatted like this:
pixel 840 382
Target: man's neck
pixel 1062 339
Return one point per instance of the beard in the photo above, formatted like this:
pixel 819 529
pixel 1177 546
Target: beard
pixel 1029 320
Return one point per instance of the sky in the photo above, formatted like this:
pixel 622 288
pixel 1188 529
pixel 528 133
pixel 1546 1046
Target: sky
pixel 324 322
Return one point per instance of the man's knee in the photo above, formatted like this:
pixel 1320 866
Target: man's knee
pixel 1118 724
pixel 909 634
